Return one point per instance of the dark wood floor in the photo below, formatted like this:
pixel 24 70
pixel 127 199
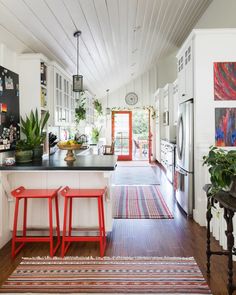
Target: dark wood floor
pixel 180 237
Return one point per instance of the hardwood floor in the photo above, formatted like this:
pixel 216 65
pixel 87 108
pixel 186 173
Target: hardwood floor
pixel 174 237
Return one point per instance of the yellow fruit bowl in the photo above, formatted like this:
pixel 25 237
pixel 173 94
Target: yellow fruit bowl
pixel 69 147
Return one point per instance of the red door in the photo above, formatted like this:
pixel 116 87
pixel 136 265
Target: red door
pixel 122 134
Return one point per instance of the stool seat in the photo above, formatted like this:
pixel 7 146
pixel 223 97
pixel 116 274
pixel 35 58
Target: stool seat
pixel 21 192
pixel 82 193
pixel 25 194
pixel 69 194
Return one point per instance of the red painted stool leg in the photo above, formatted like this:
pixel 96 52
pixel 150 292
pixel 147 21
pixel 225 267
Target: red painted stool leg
pixel 58 224
pixel 25 217
pixel 100 227
pixel 15 228
pixel 64 227
pixel 103 223
pixel 50 226
pixel 70 217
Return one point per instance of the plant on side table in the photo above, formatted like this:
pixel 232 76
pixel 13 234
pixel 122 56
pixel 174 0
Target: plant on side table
pixel 24 152
pixel 33 128
pixel 222 168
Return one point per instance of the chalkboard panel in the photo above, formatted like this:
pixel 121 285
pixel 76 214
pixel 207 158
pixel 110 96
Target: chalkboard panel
pixel 9 109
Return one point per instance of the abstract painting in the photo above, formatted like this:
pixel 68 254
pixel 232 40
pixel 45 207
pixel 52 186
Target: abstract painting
pixel 225 126
pixel 225 80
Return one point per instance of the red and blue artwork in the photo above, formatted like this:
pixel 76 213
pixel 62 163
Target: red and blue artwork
pixel 225 80
pixel 225 126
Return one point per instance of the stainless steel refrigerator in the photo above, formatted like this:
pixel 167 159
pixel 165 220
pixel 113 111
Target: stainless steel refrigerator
pixel 184 157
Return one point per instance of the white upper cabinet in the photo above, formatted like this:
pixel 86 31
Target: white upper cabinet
pixel 185 72
pixel 175 101
pixel 33 81
pixel 62 105
pixel 168 128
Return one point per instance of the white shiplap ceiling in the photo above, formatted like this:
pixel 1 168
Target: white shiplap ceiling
pixel 120 38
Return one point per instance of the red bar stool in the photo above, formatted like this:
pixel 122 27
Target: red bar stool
pixel 67 238
pixel 25 194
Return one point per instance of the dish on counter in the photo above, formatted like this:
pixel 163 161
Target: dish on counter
pixel 69 145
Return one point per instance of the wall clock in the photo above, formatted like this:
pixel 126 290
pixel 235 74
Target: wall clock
pixel 131 98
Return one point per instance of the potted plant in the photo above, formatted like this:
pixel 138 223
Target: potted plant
pixel 24 152
pixel 222 168
pixel 98 106
pixel 80 112
pixel 33 128
pixel 95 134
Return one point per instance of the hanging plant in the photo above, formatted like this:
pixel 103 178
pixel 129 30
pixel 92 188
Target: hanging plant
pixel 98 106
pixel 80 112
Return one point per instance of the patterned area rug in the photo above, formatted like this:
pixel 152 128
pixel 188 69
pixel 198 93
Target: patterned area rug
pixel 156 275
pixel 139 202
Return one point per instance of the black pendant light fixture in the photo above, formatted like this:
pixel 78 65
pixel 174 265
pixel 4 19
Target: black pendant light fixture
pixel 77 79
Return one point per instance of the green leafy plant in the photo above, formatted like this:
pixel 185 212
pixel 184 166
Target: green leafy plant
pixel 33 128
pixel 80 111
pixel 95 134
pixel 23 145
pixel 222 168
pixel 98 106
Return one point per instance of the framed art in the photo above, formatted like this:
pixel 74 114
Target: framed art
pixel 225 80
pixel 225 126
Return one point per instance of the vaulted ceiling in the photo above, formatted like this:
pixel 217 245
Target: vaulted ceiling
pixel 120 38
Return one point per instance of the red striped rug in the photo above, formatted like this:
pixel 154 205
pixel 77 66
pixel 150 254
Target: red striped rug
pixel 139 202
pixel 156 275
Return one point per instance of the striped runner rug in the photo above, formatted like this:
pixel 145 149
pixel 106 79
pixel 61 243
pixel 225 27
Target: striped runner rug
pixel 139 202
pixel 156 275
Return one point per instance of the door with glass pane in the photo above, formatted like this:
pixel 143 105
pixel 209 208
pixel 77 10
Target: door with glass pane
pixel 122 134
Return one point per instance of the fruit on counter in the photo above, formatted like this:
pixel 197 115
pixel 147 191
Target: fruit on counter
pixel 68 142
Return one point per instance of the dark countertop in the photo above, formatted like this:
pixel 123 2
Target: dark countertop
pixel 56 161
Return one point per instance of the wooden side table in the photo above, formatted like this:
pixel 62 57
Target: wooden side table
pixel 228 203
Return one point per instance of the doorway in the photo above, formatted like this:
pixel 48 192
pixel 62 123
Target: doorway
pixel 141 135
pixel 122 134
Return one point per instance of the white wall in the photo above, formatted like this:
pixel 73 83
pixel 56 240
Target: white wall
pixel 167 70
pixel 209 48
pixel 220 14
pixel 144 86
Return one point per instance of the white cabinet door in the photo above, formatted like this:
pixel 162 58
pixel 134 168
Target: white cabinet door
pixel 175 102
pixel 58 99
pixel 188 64
pixel 64 100
pixel 185 73
pixel 181 77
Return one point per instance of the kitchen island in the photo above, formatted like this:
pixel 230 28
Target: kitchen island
pixel 87 171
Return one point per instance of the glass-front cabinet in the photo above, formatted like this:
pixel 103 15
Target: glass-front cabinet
pixel 63 107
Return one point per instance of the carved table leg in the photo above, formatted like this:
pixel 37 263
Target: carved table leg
pixel 208 250
pixel 228 215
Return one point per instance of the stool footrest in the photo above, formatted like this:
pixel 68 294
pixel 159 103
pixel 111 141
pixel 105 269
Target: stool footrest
pixel 32 239
pixel 83 239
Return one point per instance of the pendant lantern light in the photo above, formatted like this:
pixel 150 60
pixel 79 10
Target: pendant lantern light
pixel 77 79
pixel 108 110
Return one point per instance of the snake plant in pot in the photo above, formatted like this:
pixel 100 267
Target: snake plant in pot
pixel 33 129
pixel 222 168
pixel 24 151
